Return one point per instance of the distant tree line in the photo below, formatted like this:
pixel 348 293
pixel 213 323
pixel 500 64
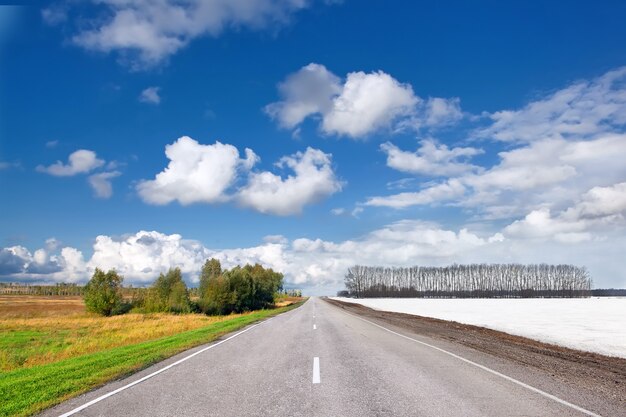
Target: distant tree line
pixel 466 281
pixel 237 290
pixel 609 292
pixel 60 289
pixel 291 292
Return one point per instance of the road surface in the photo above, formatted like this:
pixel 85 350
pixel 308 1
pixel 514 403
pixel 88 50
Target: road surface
pixel 319 360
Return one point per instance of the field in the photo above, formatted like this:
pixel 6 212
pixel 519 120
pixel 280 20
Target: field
pixel 51 349
pixel 28 306
pixel 593 324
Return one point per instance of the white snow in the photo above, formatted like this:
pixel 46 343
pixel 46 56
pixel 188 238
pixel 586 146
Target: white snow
pixel 595 324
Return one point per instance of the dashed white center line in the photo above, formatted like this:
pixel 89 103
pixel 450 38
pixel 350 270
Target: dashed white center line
pixel 316 370
pixel 314 327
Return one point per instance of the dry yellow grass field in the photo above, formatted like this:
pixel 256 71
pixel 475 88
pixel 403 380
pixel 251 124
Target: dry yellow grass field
pixel 288 300
pixel 26 306
pixel 38 330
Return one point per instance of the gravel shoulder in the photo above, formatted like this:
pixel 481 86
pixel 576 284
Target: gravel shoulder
pixel 598 375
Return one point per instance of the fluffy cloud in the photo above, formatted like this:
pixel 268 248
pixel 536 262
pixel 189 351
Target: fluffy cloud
pixel 139 257
pixel 358 106
pixel 367 103
pixel 600 202
pixel 19 264
pixel 525 168
pixel 549 173
pixel 319 265
pixel 142 256
pixel 314 179
pixel 101 183
pixel 200 173
pixel 308 91
pixel 196 173
pixel 13 260
pixel 440 111
pixel 582 110
pixel 150 95
pixel 85 161
pixel 430 159
pixel 80 162
pixel 147 32
pixel 558 148
pixel 599 208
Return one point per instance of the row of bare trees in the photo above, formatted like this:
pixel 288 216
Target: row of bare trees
pixel 475 280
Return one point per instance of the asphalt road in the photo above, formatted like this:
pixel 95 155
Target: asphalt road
pixel 364 370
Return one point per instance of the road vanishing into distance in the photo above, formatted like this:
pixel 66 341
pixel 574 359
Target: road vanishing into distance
pixel 319 360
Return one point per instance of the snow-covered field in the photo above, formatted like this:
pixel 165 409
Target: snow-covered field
pixel 591 324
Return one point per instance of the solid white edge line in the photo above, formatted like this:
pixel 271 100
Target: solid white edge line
pixel 484 368
pixel 316 370
pixel 107 395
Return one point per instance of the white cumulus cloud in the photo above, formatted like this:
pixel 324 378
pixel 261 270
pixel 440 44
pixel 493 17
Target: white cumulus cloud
pixel 551 173
pixel 143 255
pixel 196 173
pixel 367 103
pixel 318 265
pixel 216 173
pixel 558 147
pixel 79 162
pixel 599 208
pixel 309 91
pixel 313 180
pixel 361 104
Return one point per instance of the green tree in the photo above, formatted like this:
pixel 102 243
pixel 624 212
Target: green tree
pixel 241 289
pixel 241 284
pixel 211 269
pixel 168 294
pixel 102 294
pixel 218 298
pixel 266 284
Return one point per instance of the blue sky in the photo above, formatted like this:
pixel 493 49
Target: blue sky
pixel 423 133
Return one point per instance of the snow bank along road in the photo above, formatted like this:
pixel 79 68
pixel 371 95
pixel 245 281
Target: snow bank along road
pixel 321 360
pixel 593 324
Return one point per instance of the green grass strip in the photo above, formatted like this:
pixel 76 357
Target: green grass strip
pixel 27 391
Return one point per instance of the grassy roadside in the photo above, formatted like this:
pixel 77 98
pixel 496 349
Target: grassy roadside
pixel 29 390
pixel 28 342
